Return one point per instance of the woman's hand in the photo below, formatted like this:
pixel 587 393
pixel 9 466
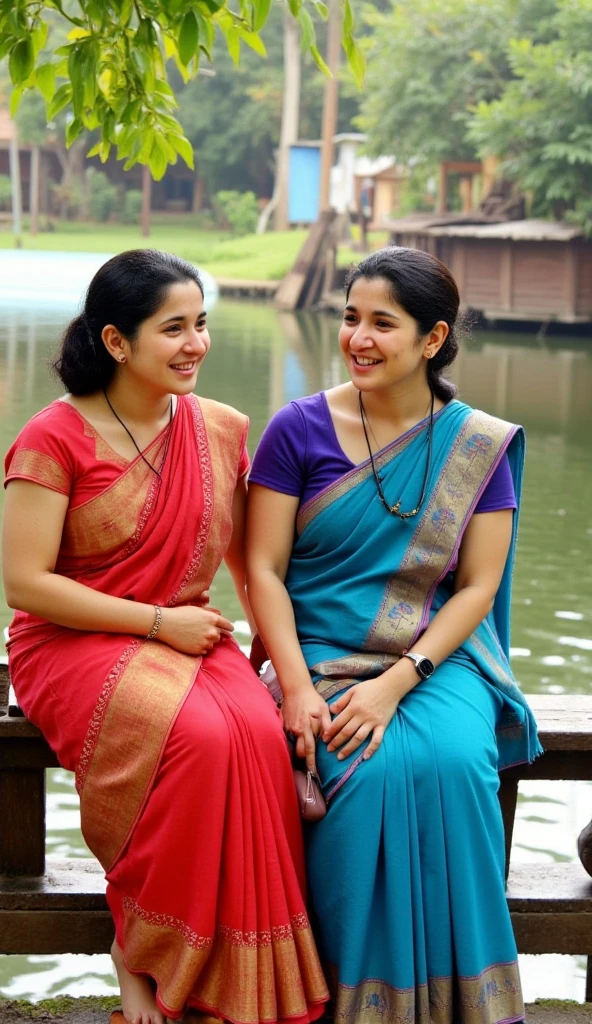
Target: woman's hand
pixel 193 630
pixel 305 714
pixel 365 708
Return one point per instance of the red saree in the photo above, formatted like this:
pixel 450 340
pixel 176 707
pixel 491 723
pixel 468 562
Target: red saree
pixel 185 785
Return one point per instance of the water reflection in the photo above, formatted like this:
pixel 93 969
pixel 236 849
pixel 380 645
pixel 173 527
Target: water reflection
pixel 262 358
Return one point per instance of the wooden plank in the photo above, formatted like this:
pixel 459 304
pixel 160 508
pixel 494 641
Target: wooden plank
pixel 22 836
pixel 550 888
pixel 508 798
pixel 553 933
pixel 28 752
pixel 554 764
pixel 75 884
pixel 60 931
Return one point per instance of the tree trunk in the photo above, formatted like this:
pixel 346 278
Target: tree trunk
pixel 34 191
pixel 330 103
pixel 15 181
pixel 72 162
pixel 290 118
pixel 146 201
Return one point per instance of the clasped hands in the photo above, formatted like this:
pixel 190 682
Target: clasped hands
pixel 365 708
pixel 193 629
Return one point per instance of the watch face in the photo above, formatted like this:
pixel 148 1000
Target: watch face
pixel 425 668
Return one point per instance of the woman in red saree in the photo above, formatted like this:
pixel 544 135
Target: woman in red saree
pixel 123 497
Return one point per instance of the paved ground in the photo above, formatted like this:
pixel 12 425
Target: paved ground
pixel 83 1012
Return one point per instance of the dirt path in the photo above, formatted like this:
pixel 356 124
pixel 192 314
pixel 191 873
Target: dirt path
pixel 97 1011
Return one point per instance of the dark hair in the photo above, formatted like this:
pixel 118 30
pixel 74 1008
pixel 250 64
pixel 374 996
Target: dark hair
pixel 127 290
pixel 426 289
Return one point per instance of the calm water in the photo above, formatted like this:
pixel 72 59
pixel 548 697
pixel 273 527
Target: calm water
pixel 260 359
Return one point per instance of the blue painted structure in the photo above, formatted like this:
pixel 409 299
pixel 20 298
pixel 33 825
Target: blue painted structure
pixel 304 183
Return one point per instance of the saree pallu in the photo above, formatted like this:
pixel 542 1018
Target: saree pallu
pixel 407 869
pixel 185 784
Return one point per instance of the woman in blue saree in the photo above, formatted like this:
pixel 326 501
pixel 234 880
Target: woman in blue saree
pixel 382 527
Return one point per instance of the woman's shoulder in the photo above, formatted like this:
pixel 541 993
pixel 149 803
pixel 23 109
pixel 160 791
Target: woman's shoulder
pixel 480 421
pixel 51 421
pixel 218 412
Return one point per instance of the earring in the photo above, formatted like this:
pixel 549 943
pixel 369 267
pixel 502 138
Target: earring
pixel 122 359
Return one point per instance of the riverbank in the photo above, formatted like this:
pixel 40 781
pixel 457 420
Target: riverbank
pixel 96 1010
pixel 250 258
pixel 264 259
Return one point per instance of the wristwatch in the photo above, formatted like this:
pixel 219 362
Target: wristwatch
pixel 424 666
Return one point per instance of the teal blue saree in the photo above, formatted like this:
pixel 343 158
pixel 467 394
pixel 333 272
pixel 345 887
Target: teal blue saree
pixel 407 869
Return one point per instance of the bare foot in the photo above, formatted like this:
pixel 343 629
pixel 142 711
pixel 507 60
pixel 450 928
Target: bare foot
pixel 137 996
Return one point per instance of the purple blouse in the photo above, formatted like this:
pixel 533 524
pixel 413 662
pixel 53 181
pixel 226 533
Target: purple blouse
pixel 299 454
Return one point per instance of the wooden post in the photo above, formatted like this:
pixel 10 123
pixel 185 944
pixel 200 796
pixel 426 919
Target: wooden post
pixel 15 180
pixel 330 102
pixel 290 120
pixel 146 201
pixel 508 798
pixel 442 188
pixel 34 191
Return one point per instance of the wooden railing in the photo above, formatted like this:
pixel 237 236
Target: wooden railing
pixel 61 907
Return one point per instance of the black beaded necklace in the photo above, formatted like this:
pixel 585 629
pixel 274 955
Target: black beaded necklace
pixel 136 446
pixel 394 509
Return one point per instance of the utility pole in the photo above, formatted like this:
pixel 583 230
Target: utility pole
pixel 146 200
pixel 290 119
pixel 15 180
pixel 34 190
pixel 330 101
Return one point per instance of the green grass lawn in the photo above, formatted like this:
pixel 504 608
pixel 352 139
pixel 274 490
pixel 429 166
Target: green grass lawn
pixel 254 257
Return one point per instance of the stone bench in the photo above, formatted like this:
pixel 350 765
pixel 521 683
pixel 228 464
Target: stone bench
pixel 62 907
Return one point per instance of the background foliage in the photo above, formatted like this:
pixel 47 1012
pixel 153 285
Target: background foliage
pixel 111 73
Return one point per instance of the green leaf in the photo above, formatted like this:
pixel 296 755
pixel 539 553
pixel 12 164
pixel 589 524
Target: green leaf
pixel 21 61
pixel 76 72
pixel 253 40
pixel 39 36
pixel 62 97
pixel 295 6
pixel 207 33
pixel 188 38
pixel 15 99
pixel 322 9
pixel 158 160
pixel 307 30
pixel 233 43
pixel 73 131
pixel 45 81
pixel 184 148
pixel 261 9
pixel 95 150
pixel 348 18
pixel 320 63
pixel 356 61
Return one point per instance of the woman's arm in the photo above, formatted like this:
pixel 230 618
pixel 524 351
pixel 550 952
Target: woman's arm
pixel 235 555
pixel 370 705
pixel 271 520
pixel 31 536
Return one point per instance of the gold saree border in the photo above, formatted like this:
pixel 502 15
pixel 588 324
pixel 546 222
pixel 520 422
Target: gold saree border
pixel 351 480
pixel 339 673
pixel 492 997
pixel 132 720
pixel 39 468
pixel 476 449
pixel 219 432
pixel 249 977
pixel 113 521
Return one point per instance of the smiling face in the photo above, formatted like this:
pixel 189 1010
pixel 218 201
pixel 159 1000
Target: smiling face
pixel 380 341
pixel 171 345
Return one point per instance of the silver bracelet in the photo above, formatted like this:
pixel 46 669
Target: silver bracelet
pixel 157 623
